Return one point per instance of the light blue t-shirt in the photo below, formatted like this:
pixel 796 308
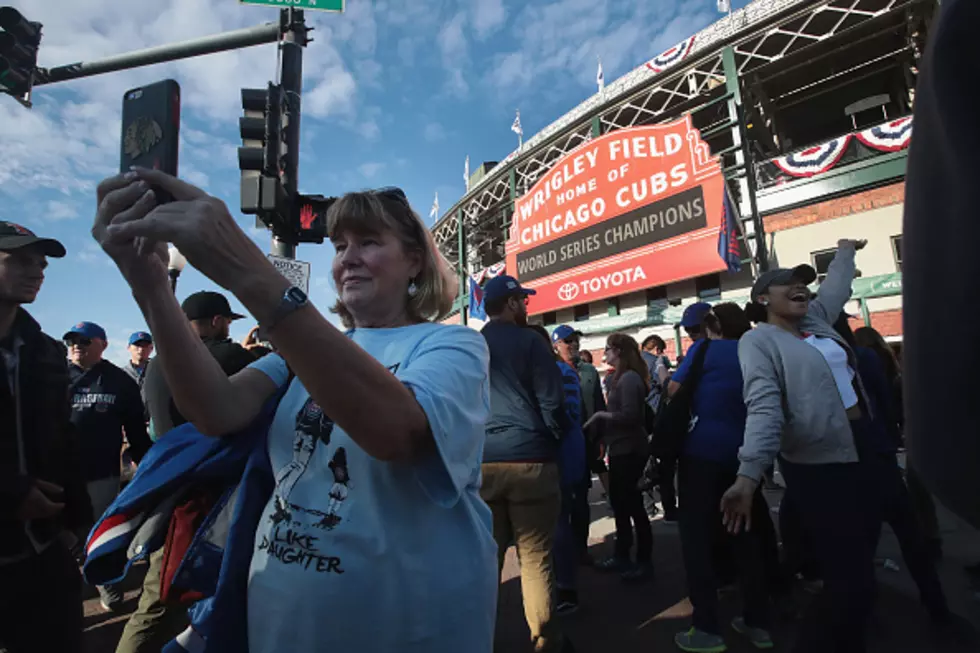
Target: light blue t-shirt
pixel 357 554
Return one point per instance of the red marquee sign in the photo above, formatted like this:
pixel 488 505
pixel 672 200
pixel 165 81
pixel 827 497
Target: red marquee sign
pixel 632 209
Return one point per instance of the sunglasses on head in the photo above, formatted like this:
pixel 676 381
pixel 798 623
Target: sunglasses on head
pixel 392 193
pixel 80 342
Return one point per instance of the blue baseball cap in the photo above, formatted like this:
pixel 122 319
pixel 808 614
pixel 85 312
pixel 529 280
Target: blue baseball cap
pixel 564 332
pixel 140 336
pixel 89 330
pixel 694 314
pixel 504 286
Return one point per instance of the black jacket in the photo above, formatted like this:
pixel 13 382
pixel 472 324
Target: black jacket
pixel 232 358
pixel 106 402
pixel 44 446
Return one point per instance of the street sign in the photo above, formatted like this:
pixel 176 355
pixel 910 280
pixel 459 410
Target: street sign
pixel 298 272
pixel 315 5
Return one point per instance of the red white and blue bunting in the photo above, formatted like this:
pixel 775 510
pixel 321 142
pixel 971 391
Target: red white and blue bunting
pixel 665 60
pixel 888 137
pixel 813 160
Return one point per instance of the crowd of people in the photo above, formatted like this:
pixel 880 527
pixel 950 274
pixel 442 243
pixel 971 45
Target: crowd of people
pixel 488 439
pixel 357 489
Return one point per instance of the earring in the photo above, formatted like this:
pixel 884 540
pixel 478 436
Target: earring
pixel 764 302
pixel 412 288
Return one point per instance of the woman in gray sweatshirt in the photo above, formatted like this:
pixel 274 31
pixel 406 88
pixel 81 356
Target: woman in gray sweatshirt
pixel 801 391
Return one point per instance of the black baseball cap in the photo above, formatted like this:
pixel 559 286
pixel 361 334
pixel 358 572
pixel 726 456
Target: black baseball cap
pixel 782 277
pixel 205 305
pixel 14 236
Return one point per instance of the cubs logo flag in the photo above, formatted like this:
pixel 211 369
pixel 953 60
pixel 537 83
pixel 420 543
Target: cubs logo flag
pixel 728 248
pixel 477 309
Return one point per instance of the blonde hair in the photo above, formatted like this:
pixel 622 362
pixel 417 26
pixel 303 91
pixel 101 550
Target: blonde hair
pixel 373 212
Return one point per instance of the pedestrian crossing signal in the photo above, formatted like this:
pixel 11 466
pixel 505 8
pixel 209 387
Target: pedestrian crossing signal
pixel 311 218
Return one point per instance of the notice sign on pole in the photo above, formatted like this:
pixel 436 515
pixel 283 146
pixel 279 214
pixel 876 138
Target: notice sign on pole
pixel 315 5
pixel 632 209
pixel 298 272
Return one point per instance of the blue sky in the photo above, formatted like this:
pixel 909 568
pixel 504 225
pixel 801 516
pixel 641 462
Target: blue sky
pixel 396 92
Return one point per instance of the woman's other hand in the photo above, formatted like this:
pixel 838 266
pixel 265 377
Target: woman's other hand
pixel 199 225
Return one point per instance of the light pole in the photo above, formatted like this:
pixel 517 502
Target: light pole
pixel 175 266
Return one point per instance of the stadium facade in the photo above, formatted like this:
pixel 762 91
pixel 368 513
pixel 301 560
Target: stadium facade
pixel 759 141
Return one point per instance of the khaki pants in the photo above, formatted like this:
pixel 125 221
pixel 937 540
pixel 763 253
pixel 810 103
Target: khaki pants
pixel 153 624
pixel 525 499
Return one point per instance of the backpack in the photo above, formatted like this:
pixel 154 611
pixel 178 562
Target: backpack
pixel 672 422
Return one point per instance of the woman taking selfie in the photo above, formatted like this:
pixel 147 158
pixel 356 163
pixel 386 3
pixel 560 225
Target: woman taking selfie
pixel 803 394
pixel 625 438
pixel 376 444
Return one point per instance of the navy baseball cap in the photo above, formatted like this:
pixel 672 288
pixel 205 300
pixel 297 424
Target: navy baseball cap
pixel 205 305
pixel 504 286
pixel 89 330
pixel 140 336
pixel 564 332
pixel 694 314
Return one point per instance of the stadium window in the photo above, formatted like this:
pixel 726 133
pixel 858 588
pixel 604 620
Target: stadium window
pixel 897 251
pixel 612 309
pixel 549 318
pixel 581 312
pixel 821 262
pixel 708 287
pixel 657 294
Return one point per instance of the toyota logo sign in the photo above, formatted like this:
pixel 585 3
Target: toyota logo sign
pixel 568 292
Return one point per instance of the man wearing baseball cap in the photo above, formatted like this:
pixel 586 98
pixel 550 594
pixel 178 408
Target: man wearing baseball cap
pixel 154 623
pixel 43 501
pixel 107 410
pixel 140 349
pixel 520 470
pixel 692 318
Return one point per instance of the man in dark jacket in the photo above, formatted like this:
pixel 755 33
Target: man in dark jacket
pixel 520 470
pixel 107 410
pixel 44 507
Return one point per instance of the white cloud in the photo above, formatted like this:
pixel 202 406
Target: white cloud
pixel 488 17
pixel 434 132
pixel 60 210
pixel 455 54
pixel 91 254
pixel 370 169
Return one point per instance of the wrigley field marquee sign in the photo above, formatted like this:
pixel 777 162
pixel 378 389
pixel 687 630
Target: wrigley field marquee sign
pixel 632 209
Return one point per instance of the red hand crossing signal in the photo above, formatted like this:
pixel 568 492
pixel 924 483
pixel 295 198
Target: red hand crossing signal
pixel 311 218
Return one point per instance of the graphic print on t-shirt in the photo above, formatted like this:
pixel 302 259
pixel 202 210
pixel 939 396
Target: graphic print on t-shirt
pixel 312 427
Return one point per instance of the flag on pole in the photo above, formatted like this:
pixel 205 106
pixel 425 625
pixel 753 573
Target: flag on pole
pixel 728 247
pixel 434 211
pixel 599 79
pixel 466 172
pixel 477 308
pixel 516 127
pixel 725 6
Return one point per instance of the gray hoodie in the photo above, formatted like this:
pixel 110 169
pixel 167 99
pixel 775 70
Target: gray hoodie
pixel 794 407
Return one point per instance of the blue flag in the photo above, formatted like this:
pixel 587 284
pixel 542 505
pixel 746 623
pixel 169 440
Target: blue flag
pixel 477 308
pixel 728 248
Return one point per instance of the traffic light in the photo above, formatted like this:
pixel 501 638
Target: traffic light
pixel 19 39
pixel 260 156
pixel 310 220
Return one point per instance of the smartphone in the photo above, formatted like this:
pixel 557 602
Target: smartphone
pixel 151 129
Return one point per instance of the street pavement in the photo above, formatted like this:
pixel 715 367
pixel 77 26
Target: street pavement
pixel 618 618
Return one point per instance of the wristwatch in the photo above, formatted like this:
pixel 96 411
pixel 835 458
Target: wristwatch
pixel 292 300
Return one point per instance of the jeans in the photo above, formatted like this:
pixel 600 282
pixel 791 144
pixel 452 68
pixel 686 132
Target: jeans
pixel 41 604
pixel 568 541
pixel 701 485
pixel 838 513
pixel 666 469
pixel 525 500
pixel 897 511
pixel 627 505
